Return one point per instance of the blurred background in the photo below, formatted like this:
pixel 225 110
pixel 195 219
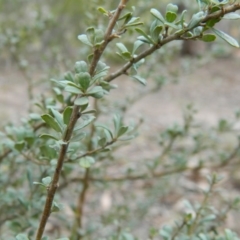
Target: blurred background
pixel 38 41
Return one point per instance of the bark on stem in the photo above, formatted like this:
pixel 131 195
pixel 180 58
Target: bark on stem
pixel 74 117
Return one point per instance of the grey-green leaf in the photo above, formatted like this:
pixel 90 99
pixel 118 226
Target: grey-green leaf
pixel 81 66
pixel 139 79
pixel 122 130
pixel 122 47
pixel 84 39
pixel 78 137
pixel 67 115
pixel 81 101
pixel 22 236
pixel 48 136
pixel 157 14
pixel 226 37
pixel 51 122
pixel 136 45
pixel 83 78
pixel 232 16
pixel 139 30
pixel 46 181
pixel 72 89
pixel 84 123
pixel 86 162
pixel 58 117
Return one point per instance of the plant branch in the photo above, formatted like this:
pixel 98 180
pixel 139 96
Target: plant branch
pixel 54 184
pixel 174 36
pixel 108 37
pixel 74 117
pixel 152 175
pixel 193 227
pixel 8 151
pixel 91 152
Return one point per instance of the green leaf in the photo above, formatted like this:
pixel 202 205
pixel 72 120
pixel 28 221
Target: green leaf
pixel 105 12
pixel 203 236
pixel 55 207
pixel 63 238
pixel 58 117
pixel 126 55
pixel 84 123
pixel 109 133
pixel 133 24
pixel 226 37
pixel 19 145
pixel 95 89
pixel 93 111
pixel 139 30
pixel 96 92
pixel 139 79
pixel 51 122
pixel 48 152
pixel 83 79
pixel 211 22
pixel 102 141
pixel 136 45
pixel 86 162
pixel 84 39
pixel 229 234
pixel 144 40
pixel 91 35
pixel 121 131
pixel 68 76
pixel 232 16
pixel 46 181
pixel 81 66
pixel 126 236
pixel 171 16
pixel 208 38
pixel 122 47
pixel 166 232
pixel 99 36
pixel 196 19
pixel 156 32
pixel 72 89
pixel 48 136
pixel 67 114
pixel 117 123
pixel 126 138
pixel 81 101
pixel 34 116
pixel 38 183
pixel 220 2
pixel 172 8
pixel 157 15
pixel 22 236
pixel 78 137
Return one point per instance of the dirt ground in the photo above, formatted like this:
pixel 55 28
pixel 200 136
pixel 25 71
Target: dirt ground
pixel 212 86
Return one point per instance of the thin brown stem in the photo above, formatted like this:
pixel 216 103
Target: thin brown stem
pixel 107 37
pixel 159 174
pixel 174 36
pixel 193 227
pixel 54 184
pixel 74 117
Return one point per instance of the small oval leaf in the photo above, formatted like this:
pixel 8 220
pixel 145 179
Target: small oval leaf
pixel 81 101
